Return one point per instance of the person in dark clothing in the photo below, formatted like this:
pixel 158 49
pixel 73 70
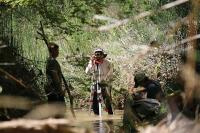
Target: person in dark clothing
pixel 54 90
pixel 142 101
pixel 152 88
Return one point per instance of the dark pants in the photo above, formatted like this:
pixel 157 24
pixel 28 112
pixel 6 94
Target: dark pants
pixel 106 99
pixel 57 99
pixel 53 97
pixel 54 94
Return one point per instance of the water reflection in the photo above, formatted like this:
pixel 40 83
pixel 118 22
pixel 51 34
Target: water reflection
pixel 99 127
pixel 108 126
pixel 105 124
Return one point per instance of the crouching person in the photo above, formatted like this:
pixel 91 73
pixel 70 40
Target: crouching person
pixel 142 102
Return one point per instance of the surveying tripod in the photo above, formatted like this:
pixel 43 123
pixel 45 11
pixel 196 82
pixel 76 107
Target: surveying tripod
pixel 96 90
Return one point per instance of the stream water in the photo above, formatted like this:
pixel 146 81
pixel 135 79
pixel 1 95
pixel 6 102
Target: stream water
pixel 104 124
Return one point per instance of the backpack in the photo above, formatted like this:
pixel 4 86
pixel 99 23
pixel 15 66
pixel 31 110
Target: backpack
pixel 154 89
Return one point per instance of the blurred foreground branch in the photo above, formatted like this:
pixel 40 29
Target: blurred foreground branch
pixel 40 126
pixel 139 16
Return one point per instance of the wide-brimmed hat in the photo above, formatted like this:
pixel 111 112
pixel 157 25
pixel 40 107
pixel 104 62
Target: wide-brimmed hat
pixel 102 51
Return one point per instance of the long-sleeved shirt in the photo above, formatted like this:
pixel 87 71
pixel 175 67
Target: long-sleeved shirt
pixel 104 69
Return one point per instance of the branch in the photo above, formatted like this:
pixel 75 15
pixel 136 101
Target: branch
pixel 3 46
pixel 105 18
pixel 141 15
pixel 67 87
pixel 7 64
pixel 13 78
pixel 42 34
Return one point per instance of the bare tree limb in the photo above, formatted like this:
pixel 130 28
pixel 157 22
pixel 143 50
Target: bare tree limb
pixel 13 78
pixel 7 64
pixel 105 18
pixel 42 34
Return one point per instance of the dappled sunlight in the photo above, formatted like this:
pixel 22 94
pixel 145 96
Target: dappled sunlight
pixel 140 16
pixel 45 47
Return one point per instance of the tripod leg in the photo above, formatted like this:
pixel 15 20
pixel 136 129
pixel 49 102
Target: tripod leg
pixel 100 100
pixel 91 99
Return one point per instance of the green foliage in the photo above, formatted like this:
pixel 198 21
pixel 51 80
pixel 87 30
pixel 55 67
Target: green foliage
pixel 68 23
pixel 164 17
pixel 15 3
pixel 81 42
